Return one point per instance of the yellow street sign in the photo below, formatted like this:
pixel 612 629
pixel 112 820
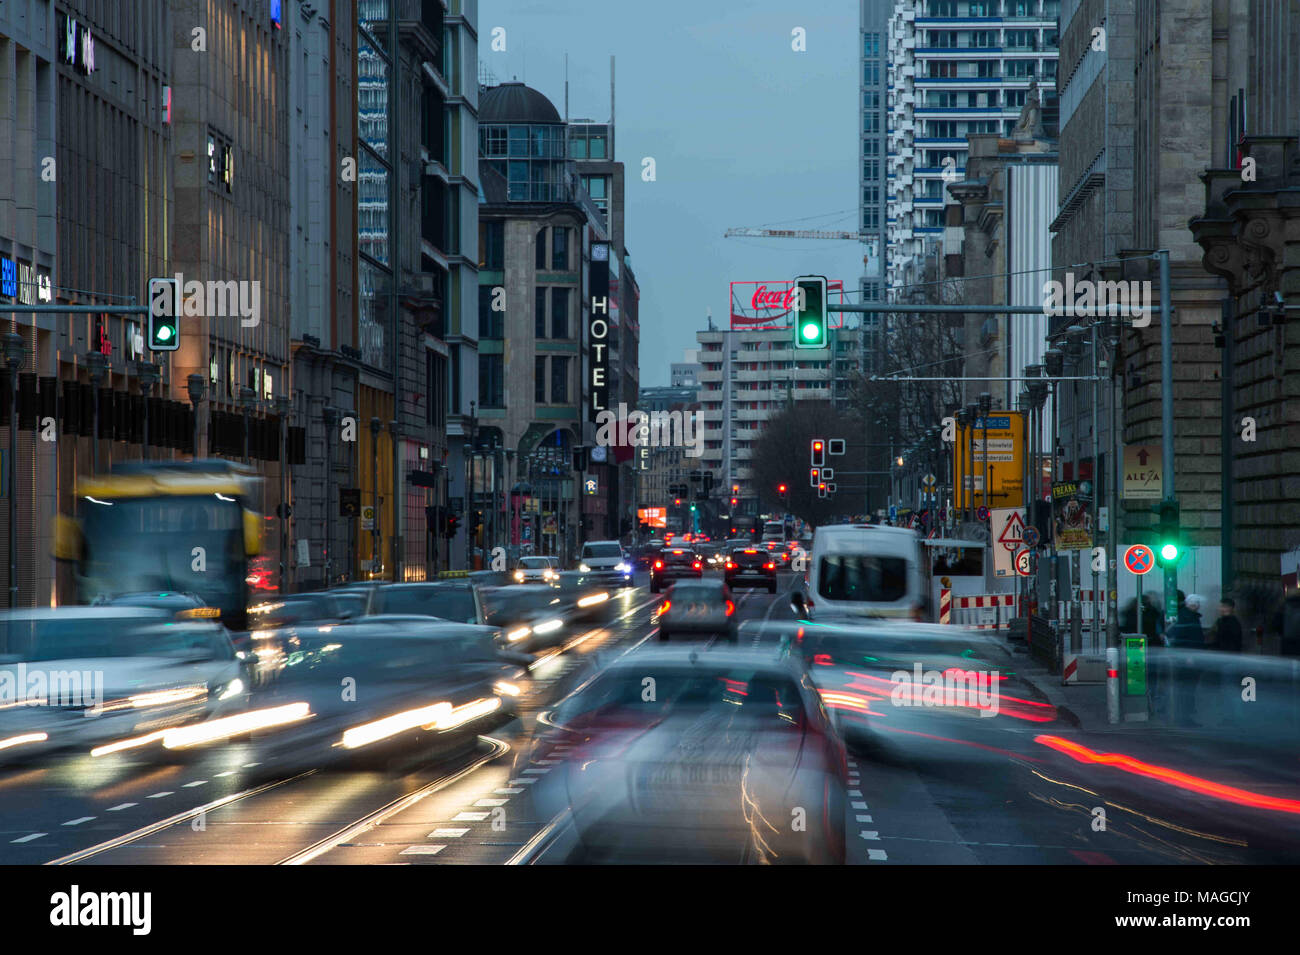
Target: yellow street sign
pixel 1004 459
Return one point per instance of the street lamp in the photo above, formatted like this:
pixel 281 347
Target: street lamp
pixel 283 405
pixel 148 374
pixel 247 399
pixel 97 366
pixel 196 385
pixel 15 355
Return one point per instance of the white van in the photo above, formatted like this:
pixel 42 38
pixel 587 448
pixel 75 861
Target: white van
pixel 863 570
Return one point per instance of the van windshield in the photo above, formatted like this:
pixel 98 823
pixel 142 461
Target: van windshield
pixel 862 578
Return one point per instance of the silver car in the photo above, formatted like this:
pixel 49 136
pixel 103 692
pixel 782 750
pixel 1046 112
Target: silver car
pixel 697 608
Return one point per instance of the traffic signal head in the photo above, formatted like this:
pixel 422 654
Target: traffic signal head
pixel 780 489
pixel 814 476
pixel 810 319
pixel 735 501
pixel 1169 535
pixel 692 507
pixel 817 452
pixel 164 315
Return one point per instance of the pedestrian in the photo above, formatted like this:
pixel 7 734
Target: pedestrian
pixel 1227 629
pixel 1185 636
pixel 1226 637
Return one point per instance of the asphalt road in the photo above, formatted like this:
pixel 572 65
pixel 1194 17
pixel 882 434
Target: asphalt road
pixel 994 795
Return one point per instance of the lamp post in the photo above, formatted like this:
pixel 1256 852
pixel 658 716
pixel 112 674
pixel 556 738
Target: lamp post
pixel 283 405
pixel 148 374
pixel 986 405
pixel 375 532
pixel 97 366
pixel 1054 362
pixel 395 542
pixel 330 414
pixel 196 384
pixel 247 399
pixel 15 356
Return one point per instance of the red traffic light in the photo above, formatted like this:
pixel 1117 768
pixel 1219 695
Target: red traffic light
pixel 735 501
pixel 780 488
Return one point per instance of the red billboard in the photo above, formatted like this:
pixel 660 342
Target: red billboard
pixel 760 305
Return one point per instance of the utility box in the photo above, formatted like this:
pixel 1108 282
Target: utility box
pixel 1133 685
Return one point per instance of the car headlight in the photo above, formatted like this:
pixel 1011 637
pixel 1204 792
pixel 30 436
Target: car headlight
pixel 519 575
pixel 625 568
pixel 584 568
pixel 233 688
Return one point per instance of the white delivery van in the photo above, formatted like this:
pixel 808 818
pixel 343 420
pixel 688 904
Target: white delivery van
pixel 863 570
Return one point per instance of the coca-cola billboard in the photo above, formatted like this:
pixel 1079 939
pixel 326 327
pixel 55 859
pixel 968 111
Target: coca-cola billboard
pixel 757 305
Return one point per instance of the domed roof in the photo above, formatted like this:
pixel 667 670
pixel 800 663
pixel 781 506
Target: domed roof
pixel 515 103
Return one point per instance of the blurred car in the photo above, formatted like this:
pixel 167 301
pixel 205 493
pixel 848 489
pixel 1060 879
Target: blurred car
pixel 309 609
pixel 446 599
pixel 423 686
pixel 175 601
pixel 708 767
pixel 673 564
pixel 537 570
pixel 712 555
pixel 697 607
pixel 606 563
pixel 646 554
pixel 530 616
pixel 750 567
pixel 111 678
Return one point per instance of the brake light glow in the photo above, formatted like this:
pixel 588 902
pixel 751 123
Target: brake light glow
pixel 659 565
pixel 697 565
pixel 731 608
pixel 731 565
pixel 770 566
pixel 665 605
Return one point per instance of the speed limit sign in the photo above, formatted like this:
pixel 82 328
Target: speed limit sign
pixel 1022 563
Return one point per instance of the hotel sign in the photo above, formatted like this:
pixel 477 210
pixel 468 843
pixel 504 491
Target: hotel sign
pixel 78 47
pixel 598 330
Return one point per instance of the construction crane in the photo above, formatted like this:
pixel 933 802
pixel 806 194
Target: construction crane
pixel 796 234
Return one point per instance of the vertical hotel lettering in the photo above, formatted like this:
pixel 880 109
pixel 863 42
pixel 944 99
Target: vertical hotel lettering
pixel 598 329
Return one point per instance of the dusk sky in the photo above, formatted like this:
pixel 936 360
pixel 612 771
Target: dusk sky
pixel 744 131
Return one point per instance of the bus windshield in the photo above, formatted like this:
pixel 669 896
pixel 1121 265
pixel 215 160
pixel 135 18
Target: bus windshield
pixel 153 543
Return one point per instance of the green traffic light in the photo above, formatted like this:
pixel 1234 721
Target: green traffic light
pixel 164 333
pixel 811 331
pixel 1169 551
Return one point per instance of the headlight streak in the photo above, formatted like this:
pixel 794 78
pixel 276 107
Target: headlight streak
pixel 592 599
pixel 228 726
pixel 438 716
pixel 23 739
pixel 514 636
pixel 547 626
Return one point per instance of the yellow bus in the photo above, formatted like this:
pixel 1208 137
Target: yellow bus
pixel 186 526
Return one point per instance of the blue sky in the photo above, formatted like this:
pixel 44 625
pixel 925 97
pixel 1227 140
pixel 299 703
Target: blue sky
pixel 744 132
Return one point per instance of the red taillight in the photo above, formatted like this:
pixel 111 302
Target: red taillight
pixel 665 605
pixel 731 565
pixel 696 565
pixel 731 608
pixel 659 565
pixel 822 659
pixel 770 565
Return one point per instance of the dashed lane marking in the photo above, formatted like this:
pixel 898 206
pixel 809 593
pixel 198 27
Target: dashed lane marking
pixel 161 794
pixel 864 819
pixel 877 855
pixel 509 791
pixel 34 835
pixel 120 806
pixel 422 850
pixel 470 817
pixel 491 802
pixel 447 833
pixel 197 782
pixel 870 834
pixel 78 821
pixel 527 782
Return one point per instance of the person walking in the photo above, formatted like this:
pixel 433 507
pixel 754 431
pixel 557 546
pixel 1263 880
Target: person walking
pixel 1185 637
pixel 1226 636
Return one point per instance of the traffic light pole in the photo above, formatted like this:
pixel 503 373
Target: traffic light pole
pixel 1169 490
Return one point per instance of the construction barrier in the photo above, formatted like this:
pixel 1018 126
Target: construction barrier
pixel 1086 600
pixel 984 611
pixel 945 605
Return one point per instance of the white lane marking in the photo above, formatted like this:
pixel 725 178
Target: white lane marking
pixel 855 792
pixel 526 782
pixel 120 806
pixel 34 835
pixel 491 802
pixel 160 795
pixel 546 762
pixel 538 772
pixel 229 772
pixel 197 782
pixel 864 819
pixel 447 833
pixel 422 850
pixel 859 805
pixel 251 765
pixel 470 817
pixel 877 855
pixel 870 834
pixel 78 821
pixel 508 791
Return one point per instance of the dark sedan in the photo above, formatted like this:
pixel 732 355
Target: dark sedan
pixel 751 567
pixel 673 564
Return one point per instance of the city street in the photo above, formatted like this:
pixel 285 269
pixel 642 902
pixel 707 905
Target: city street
pixel 990 795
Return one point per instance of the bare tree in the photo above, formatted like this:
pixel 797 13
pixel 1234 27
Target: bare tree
pixel 781 456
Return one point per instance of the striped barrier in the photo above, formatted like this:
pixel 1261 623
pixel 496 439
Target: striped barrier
pixel 1086 600
pixel 985 611
pixel 945 605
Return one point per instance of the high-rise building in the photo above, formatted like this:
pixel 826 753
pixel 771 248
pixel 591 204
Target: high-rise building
pixel 955 67
pixel 874 175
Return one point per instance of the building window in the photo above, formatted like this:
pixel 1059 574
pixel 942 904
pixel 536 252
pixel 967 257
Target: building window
pixel 491 381
pixel 491 324
pixel 539 379
pixel 436 387
pixel 455 379
pixel 539 261
pixel 492 246
pixel 559 381
pixel 559 313
pixel 539 312
pixel 597 147
pixel 560 248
